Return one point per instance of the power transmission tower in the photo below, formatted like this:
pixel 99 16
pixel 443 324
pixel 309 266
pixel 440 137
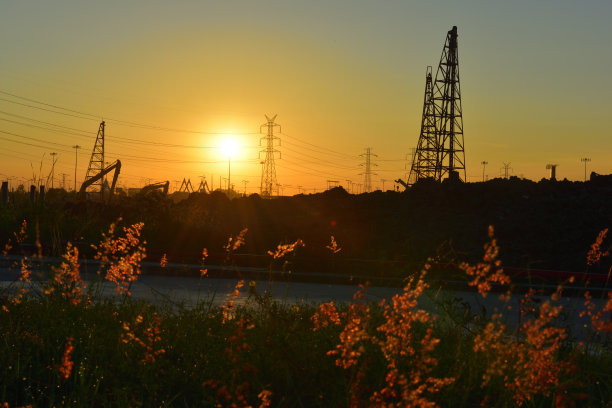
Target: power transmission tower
pixel 268 171
pixel 448 112
pixel 368 169
pixel 507 169
pixel 96 162
pixel 425 158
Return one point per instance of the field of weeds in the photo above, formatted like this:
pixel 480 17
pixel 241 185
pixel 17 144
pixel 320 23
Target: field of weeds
pixel 62 344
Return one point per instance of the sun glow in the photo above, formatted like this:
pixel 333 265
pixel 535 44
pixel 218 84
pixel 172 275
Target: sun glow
pixel 229 147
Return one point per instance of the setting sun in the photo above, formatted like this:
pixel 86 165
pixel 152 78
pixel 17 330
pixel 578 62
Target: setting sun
pixel 229 147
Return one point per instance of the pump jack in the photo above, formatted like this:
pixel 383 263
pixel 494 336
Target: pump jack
pixel 115 166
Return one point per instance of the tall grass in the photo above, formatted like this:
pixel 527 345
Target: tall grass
pixel 63 343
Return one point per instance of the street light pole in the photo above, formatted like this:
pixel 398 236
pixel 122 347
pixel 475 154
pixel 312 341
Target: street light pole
pixel 484 164
pixel 585 160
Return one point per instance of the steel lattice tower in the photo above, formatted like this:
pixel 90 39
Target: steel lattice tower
pixel 367 182
pixel 424 162
pixel 448 113
pixel 268 171
pixel 96 163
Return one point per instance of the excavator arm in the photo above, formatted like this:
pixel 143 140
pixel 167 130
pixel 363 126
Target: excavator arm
pixel 115 166
pixel 400 181
pixel 156 186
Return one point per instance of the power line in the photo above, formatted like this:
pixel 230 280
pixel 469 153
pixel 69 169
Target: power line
pixel 90 116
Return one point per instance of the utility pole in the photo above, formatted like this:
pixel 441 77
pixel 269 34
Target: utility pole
pixel 484 164
pixel 52 154
pixel 268 171
pixel 245 183
pixel 383 187
pixel 76 158
pixel 585 160
pixel 368 169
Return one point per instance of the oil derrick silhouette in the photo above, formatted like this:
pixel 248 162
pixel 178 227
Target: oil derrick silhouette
pixel 440 153
pixel 268 171
pixel 424 162
pixel 96 165
pixel 367 182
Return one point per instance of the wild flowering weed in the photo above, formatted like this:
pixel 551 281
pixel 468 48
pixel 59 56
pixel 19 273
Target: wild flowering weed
pixel 529 365
pixel 285 249
pixel 233 243
pixel 488 271
pixel 325 315
pixel 599 322
pixel 354 333
pixel 25 271
pixel 333 246
pixel 65 368
pixel 228 306
pixel 406 340
pixel 409 355
pixel 595 252
pixel 146 336
pixel 121 256
pixel 235 391
pixel 66 280
pixel 203 270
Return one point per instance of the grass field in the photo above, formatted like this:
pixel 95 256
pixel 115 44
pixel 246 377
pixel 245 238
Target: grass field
pixel 61 344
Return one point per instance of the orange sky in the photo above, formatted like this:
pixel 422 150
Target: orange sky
pixel 341 77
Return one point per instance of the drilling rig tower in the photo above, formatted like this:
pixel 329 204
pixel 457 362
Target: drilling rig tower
pixel 440 153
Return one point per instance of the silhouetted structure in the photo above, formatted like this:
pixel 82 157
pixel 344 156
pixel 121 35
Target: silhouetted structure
pixel 96 165
pixel 367 183
pixel 268 171
pixel 425 160
pixel 440 153
pixel 186 186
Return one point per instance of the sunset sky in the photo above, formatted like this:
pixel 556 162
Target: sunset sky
pixel 173 79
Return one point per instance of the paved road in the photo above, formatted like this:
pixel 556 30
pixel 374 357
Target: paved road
pixel 189 291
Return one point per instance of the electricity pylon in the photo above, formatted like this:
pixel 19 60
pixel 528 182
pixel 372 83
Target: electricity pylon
pixel 448 113
pixel 368 169
pixel 424 162
pixel 268 171
pixel 96 163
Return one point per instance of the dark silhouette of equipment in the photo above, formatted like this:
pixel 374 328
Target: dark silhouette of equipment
pixel 186 186
pixel 116 166
pixel 268 171
pixel 440 153
pixel 203 187
pixel 162 185
pixel 96 165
